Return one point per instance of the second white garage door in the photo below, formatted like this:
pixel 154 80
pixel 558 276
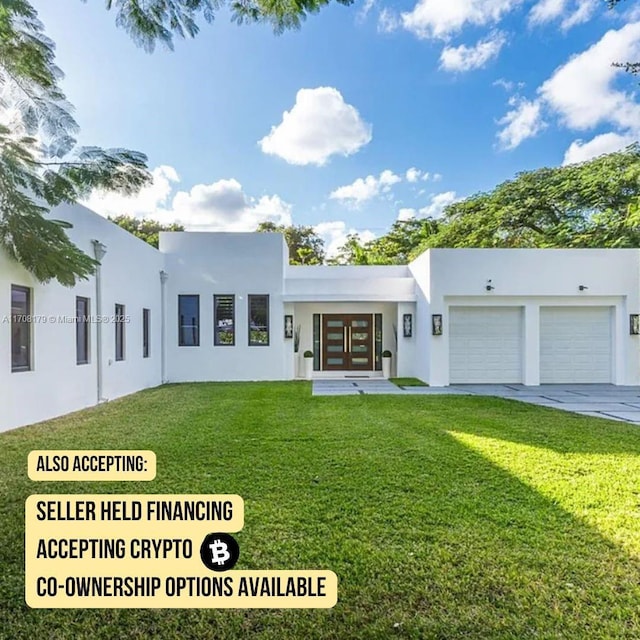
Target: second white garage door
pixel 575 345
pixel 485 344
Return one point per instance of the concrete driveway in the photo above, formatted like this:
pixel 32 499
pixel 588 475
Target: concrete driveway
pixel 598 400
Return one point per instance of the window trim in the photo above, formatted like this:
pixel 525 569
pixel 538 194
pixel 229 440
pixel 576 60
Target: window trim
pixel 119 322
pixel 249 297
pixel 29 323
pixel 197 325
pixel 146 332
pixel 216 342
pixel 85 324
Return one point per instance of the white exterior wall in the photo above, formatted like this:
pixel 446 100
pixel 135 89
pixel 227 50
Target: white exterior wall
pixel 248 263
pixel 205 264
pixel 420 269
pixel 56 384
pixel 534 278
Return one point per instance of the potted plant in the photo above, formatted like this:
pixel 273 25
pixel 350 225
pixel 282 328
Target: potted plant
pixel 308 364
pixel 386 363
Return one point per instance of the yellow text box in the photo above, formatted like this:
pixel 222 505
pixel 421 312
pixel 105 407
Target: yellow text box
pixel 165 586
pixel 91 465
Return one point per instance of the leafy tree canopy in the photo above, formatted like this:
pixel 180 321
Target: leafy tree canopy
pixel 41 164
pixel 153 21
pixel 147 230
pixel 305 245
pixel 591 204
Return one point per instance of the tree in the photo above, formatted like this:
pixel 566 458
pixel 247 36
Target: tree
pixel 395 247
pixel 41 165
pixel 160 20
pixel 305 245
pixel 147 230
pixel 353 251
pixel 592 204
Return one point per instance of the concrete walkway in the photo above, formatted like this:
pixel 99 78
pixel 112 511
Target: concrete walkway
pixel 599 400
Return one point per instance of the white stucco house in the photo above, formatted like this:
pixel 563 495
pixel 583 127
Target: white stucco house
pixel 223 306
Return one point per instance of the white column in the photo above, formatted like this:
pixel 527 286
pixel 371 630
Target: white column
pixel 531 372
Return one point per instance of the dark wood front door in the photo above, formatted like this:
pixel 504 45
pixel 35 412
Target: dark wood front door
pixel 347 342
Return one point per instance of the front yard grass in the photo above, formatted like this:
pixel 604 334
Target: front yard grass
pixel 408 382
pixel 443 517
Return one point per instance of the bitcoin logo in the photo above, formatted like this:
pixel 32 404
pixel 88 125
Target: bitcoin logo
pixel 219 551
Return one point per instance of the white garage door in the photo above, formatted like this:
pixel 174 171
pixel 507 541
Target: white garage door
pixel 485 344
pixel 575 344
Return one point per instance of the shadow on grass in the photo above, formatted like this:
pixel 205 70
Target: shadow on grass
pixel 429 537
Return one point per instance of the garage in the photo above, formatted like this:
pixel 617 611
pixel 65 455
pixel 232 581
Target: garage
pixel 575 345
pixel 485 345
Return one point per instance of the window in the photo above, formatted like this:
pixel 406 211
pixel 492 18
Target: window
pixel 224 324
pixel 120 332
pixel 188 321
pixel 20 328
pixel 258 321
pixel 82 330
pixel 146 321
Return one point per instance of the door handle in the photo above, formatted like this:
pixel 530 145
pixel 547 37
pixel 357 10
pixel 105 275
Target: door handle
pixel 349 334
pixel 344 340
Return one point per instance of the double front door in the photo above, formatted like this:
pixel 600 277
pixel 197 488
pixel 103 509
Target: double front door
pixel 347 342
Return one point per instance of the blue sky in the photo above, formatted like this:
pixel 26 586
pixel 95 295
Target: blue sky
pixel 467 92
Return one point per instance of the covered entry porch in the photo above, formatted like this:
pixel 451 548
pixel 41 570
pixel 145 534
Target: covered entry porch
pixel 348 316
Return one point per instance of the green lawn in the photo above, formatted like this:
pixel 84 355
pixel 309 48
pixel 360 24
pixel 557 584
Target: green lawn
pixel 443 517
pixel 408 382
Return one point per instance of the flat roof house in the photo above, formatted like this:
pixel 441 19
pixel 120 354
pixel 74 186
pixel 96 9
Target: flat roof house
pixel 225 306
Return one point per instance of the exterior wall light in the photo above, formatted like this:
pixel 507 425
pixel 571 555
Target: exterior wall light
pixel 634 324
pixel 288 327
pixel 436 324
pixel 407 325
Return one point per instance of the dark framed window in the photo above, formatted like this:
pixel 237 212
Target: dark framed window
pixel 224 320
pixel 377 320
pixel 189 321
pixel 120 319
pixel 259 321
pixel 146 324
pixel 82 330
pixel 316 342
pixel 20 328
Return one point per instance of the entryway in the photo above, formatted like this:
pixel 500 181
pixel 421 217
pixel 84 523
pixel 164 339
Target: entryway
pixel 347 342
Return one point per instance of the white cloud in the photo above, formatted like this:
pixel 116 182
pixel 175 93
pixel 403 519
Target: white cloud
pixel 438 204
pixel 581 94
pixel 145 202
pixel 219 206
pixel 465 58
pixel 581 90
pixel 438 19
pixel 365 9
pixel 335 235
pixel 364 189
pixel 413 174
pixel 406 214
pixel 437 177
pixel 572 12
pixel 320 124
pixel 388 21
pixel 582 13
pixel 434 209
pixel 522 122
pixel 223 206
pixel 580 151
